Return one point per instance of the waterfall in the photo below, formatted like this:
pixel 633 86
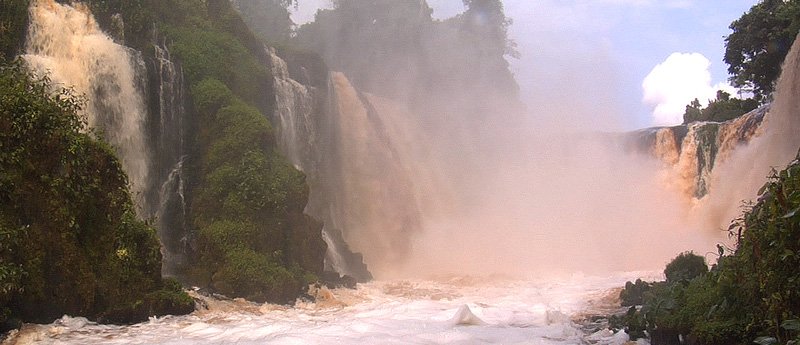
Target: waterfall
pixel 294 110
pixel 745 169
pixel 352 147
pixel 691 152
pixel 67 43
pixel 303 120
pixel 166 131
pixel 136 103
pixel 377 194
pixel 720 166
pixel 171 221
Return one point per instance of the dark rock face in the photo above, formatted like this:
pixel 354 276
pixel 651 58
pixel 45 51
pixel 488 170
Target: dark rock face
pixel 356 269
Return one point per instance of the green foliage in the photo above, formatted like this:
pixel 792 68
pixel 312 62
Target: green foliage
pixel 633 293
pixel 269 19
pixel 13 25
pixel 246 200
pixel 760 40
pixel 632 322
pixel 210 95
pixel 209 53
pixel 750 294
pixel 397 49
pixel 247 203
pixel 256 276
pixel 721 109
pixel 685 267
pixel 72 242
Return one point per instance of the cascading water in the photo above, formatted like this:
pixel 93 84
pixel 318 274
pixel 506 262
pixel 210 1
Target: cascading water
pixel 305 137
pixel 294 109
pixel 166 130
pixel 691 152
pixel 557 199
pixel 744 171
pixel 136 102
pixel 721 165
pixel 171 221
pixel 67 43
pixel 377 195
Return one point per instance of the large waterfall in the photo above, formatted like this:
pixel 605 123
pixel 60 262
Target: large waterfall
pixel 67 43
pixel 135 102
pixel 690 152
pixel 378 199
pixel 719 166
pixel 519 226
pixel 306 120
pixel 740 176
pixel 414 197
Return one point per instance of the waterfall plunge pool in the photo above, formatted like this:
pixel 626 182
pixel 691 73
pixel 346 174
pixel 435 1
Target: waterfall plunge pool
pixel 446 310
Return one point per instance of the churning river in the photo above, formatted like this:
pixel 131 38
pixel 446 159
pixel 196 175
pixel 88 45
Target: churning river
pixel 447 310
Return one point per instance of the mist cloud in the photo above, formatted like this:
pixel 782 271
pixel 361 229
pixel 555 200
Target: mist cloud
pixel 675 82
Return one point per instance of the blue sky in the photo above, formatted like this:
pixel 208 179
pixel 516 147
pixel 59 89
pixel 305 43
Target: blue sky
pixel 588 59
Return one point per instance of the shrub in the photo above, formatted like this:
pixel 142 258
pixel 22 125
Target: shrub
pixel 78 246
pixel 685 267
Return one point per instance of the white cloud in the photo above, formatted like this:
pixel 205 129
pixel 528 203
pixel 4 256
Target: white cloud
pixel 672 84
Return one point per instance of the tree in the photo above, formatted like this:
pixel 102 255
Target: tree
pixel 693 112
pixel 70 242
pixel 723 108
pixel 685 267
pixel 269 19
pixel 760 40
pixel 486 19
pixel 13 21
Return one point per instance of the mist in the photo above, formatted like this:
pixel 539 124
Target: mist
pixel 737 180
pixel 448 166
pixel 531 199
pixel 508 194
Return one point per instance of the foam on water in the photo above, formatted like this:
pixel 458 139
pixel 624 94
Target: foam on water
pixel 510 311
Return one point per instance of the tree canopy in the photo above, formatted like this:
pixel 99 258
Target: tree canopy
pixel 723 108
pixel 760 40
pixel 268 19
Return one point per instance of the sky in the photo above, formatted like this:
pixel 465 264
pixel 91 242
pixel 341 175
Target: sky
pixel 613 64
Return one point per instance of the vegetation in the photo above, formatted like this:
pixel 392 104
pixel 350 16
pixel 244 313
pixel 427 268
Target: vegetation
pixel 760 40
pixel 396 49
pixel 13 25
pixel 269 19
pixel 723 108
pixel 754 51
pixel 247 201
pixel 71 241
pixel 751 294
pixel 254 240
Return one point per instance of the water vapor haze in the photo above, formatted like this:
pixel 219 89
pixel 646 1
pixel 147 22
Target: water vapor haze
pixel 444 171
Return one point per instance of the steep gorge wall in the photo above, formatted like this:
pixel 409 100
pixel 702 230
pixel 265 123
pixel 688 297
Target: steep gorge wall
pixel 689 153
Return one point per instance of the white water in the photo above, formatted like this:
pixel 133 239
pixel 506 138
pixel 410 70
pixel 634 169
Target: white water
pixel 294 110
pixel 741 175
pixel 67 43
pixel 393 312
